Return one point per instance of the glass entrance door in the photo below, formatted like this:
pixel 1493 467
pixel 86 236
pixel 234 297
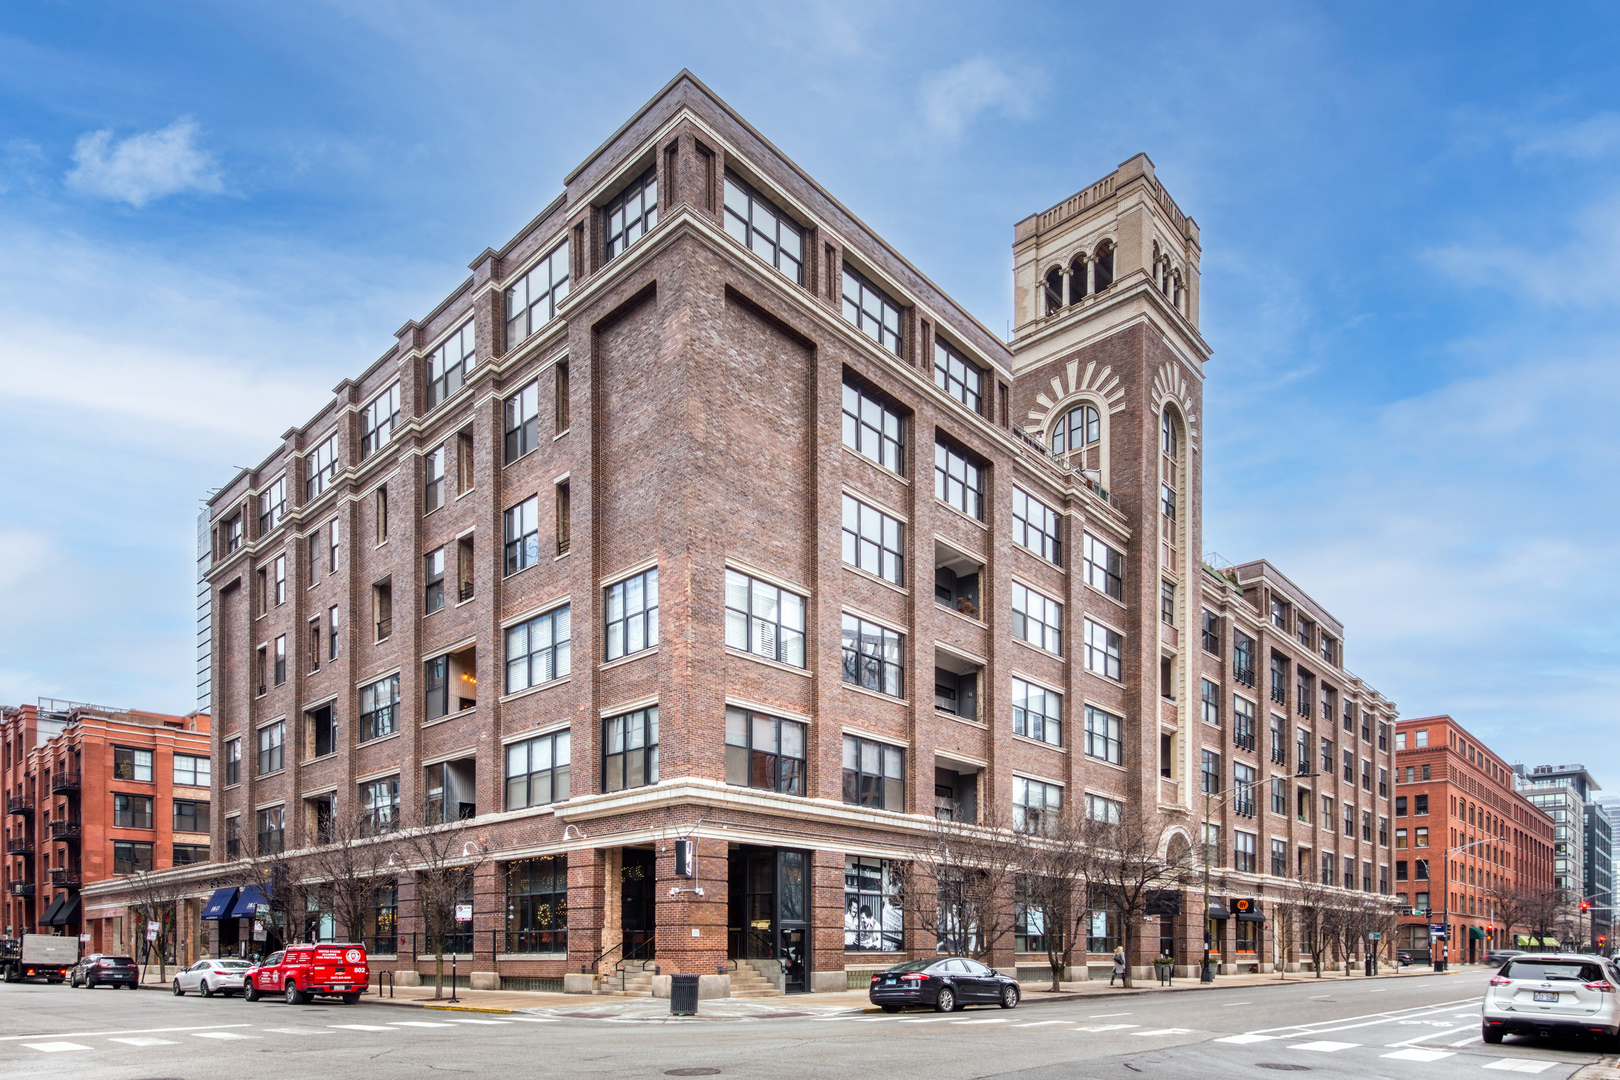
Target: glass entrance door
pixel 769 911
pixel 637 902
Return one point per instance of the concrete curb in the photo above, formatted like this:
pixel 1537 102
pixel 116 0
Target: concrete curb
pixel 428 1003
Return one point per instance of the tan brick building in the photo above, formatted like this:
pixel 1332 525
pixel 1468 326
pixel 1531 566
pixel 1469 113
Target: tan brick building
pixel 697 512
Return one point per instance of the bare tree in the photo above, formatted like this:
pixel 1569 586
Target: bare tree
pixel 442 860
pixel 1052 889
pixel 350 865
pixel 960 881
pixel 267 867
pixel 1132 858
pixel 152 900
pixel 1510 907
pixel 1313 907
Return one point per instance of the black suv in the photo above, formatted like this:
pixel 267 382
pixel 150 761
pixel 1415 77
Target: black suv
pixel 105 969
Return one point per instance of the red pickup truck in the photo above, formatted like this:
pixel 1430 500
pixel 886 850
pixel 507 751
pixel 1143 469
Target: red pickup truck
pixel 302 971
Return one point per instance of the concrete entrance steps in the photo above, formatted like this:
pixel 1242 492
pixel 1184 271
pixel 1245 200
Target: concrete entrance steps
pixel 637 983
pixel 747 982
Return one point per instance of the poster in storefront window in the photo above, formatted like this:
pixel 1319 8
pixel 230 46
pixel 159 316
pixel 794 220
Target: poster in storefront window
pixel 873 919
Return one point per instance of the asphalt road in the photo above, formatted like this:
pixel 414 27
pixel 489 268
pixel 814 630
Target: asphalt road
pixel 1419 1028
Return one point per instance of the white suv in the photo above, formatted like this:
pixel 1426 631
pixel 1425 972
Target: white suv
pixel 1553 994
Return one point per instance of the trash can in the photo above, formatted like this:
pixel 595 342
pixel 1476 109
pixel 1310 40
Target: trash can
pixel 683 995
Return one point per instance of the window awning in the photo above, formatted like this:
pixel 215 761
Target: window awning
pixel 1476 933
pixel 1251 916
pixel 1217 911
pixel 219 903
pixel 247 903
pixel 49 918
pixel 67 913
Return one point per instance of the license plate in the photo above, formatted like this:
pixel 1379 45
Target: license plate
pixel 1546 995
pixel 340 987
pixel 890 981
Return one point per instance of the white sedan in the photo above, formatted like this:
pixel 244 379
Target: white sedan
pixel 210 977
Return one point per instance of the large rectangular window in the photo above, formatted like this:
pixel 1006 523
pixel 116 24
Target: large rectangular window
pixel 1104 649
pixel 1243 723
pixel 532 301
pixel 522 421
pixel 272 504
pixel 764 751
pixel 131 764
pixel 958 482
pixel 1037 619
pixel 449 364
pixel 871 311
pixel 433 574
pixel 632 614
pixel 537 905
pixel 523 535
pixel 378 420
pixel 539 650
pixel 1243 853
pixel 1210 773
pixel 132 811
pixel 233 761
pixel 433 480
pixel 630 750
pixel 872 540
pixel 1037 806
pixel 271 740
pixel 873 657
pixel 320 467
pixel 958 376
pixel 763 228
pixel 873 430
pixel 1037 527
pixel 1103 736
pixel 379 806
pixel 1211 701
pixel 1243 658
pixel 537 771
pixel 1037 713
pixel 379 708
pixel 1104 568
pixel 192 771
pixel 631 214
pixel 874 774
pixel 874 919
pixel 764 620
pixel 132 856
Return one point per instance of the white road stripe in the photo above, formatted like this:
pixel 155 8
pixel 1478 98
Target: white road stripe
pixel 1430 1035
pixel 1104 1016
pixel 460 1021
pixel 54 1047
pixel 222 1035
pixel 1163 1031
pixel 1413 1054
pixel 997 1021
pixel 1041 1023
pixel 1327 1027
pixel 1105 1027
pixel 129 1031
pixel 1466 1042
pixel 928 1020
pixel 141 1041
pixel 364 1027
pixel 299 1031
pixel 1512 1065
pixel 415 1023
pixel 1241 1039
pixel 535 1019
pixel 1324 1047
pixel 1235 1004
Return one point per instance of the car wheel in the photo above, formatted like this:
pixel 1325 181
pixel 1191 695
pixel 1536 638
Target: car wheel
pixel 250 992
pixel 1009 997
pixel 1489 1034
pixel 295 996
pixel 89 983
pixel 177 991
pixel 946 1002
pixel 202 988
pixel 891 1008
pixel 350 999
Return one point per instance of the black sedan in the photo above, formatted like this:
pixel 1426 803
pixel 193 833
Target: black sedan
pixel 104 969
pixel 1498 957
pixel 946 984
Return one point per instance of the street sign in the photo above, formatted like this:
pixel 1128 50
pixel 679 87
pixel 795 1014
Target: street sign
pixel 1374 936
pixel 463 913
pixel 261 910
pixel 152 928
pixel 151 935
pixel 258 930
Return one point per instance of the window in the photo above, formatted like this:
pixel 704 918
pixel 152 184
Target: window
pixel 279 579
pixel 1420 837
pixel 763 229
pixel 320 467
pixel 1383 832
pixel 1212 844
pixel 871 311
pixel 1327 757
pixel 1211 633
pixel 630 750
pixel 1108 811
pixel 874 774
pixel 764 620
pixel 872 429
pixel 1080 428
pixel 1279 613
pixel 1243 853
pixel 1167 501
pixel 1420 803
pixel 332 632
pixel 872 540
pixel 1037 527
pixel 1037 806
pixel 332 547
pixel 190 816
pixel 1366 826
pixel 321 731
pixel 1103 735
pixel 131 857
pixel 539 650
pixel 1279 796
pixel 271 738
pixel 382 604
pixel 631 213
pixel 433 480
pixel 532 302
pixel 1279 858
pixel 1349 766
pixel 233 761
pixel 764 752
pixel 1400 806
pixel 523 535
pixel 1167 602
pixel 464 463
pixel 1104 567
pixel 187 854
pixel 1383 782
pixel 272 504
pixel 379 708
pixel 564 517
pixel 1037 619
pixel 874 919
pixel 272 826
pixel 537 771
pixel 522 421
pixel 1243 658
pixel 281 659
pixel 559 389
pixel 1420 739
pixel 377 421
pixel 1421 868
pixel 1211 701
pixel 632 614
pixel 1303 628
pixel 1103 649
pixel 464 569
pixel 958 376
pixel 129 764
pixel 433 571
pixel 537 905
pixel 872 657
pixel 381 512
pixel 1037 713
pixel 379 806
pixel 958 482
pixel 1349 821
pixel 1210 773
pixel 192 771
pixel 314 559
pixel 1279 740
pixel 233 533
pixel 132 811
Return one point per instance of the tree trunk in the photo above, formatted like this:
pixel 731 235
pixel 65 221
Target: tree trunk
pixel 438 973
pixel 1125 939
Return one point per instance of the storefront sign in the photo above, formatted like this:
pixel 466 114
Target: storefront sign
pixel 463 913
pixel 151 935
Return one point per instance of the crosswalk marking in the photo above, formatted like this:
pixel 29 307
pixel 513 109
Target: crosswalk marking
pixel 1414 1054
pixel 460 1021
pixel 362 1027
pixel 145 1042
pixel 1041 1023
pixel 1247 1037
pixel 1163 1031
pixel 415 1023
pixel 299 1031
pixel 536 1019
pixel 1511 1065
pixel 1323 1047
pixel 222 1035
pixel 1105 1027
pixel 994 1021
pixel 54 1047
pixel 923 1020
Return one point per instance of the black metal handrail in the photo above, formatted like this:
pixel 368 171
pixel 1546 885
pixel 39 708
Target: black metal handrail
pixel 22 888
pixel 19 845
pixel 641 953
pixel 466 591
pixel 66 877
pixel 65 783
pixel 1244 675
pixel 65 829
pixel 19 804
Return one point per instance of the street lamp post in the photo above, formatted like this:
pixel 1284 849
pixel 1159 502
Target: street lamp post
pixel 1205 975
pixel 1445 907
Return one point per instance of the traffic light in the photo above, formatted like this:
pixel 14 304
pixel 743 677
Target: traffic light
pixel 1586 905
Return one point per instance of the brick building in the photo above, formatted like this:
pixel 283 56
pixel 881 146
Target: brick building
pixel 1464 838
pixel 1582 849
pixel 838 561
pixel 93 793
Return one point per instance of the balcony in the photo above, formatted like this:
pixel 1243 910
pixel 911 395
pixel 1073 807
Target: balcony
pixel 65 829
pixel 22 888
pixel 20 845
pixel 19 804
pixel 66 877
pixel 65 784
pixel 1244 675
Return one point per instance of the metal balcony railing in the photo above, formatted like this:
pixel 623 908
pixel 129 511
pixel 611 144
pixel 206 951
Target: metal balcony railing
pixel 22 888
pixel 20 845
pixel 66 877
pixel 19 804
pixel 65 829
pixel 66 783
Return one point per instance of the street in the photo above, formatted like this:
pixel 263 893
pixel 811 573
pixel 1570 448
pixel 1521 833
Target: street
pixel 1419 1027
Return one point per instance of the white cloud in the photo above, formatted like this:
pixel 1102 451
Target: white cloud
pixel 1580 271
pixel 1584 139
pixel 952 99
pixel 144 167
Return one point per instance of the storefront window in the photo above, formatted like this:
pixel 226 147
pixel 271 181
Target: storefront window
pixel 537 905
pixel 1102 930
pixel 385 921
pixel 1029 923
pixel 872 908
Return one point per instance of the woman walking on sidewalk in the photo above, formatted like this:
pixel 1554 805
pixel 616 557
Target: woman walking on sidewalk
pixel 1119 966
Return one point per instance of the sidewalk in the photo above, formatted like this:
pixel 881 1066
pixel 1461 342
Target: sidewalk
pixel 421 997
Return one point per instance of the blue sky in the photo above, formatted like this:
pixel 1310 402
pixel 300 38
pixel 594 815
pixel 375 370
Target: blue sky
pixel 211 213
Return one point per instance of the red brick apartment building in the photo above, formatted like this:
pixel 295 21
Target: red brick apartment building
pixel 1462 834
pixel 837 561
pixel 93 793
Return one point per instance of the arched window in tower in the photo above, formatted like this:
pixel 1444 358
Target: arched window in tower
pixel 1102 274
pixel 1079 434
pixel 1054 289
pixel 1077 279
pixel 1169 440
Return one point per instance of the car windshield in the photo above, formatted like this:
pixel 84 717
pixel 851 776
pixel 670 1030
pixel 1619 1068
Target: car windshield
pixel 232 965
pixel 1551 970
pixel 121 961
pixel 914 965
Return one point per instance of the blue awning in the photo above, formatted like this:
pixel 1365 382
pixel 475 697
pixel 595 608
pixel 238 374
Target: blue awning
pixel 219 903
pixel 247 903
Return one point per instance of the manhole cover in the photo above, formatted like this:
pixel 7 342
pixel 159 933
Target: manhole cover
pixel 692 1072
pixel 1282 1067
